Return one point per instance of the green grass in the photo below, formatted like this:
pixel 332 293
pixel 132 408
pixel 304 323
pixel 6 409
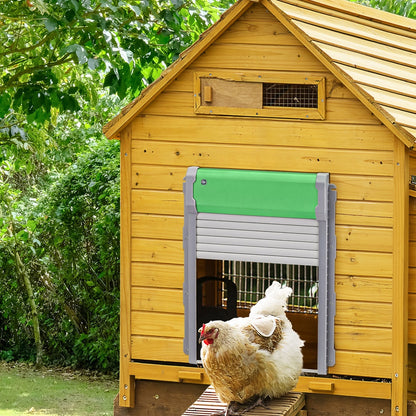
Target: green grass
pixel 26 391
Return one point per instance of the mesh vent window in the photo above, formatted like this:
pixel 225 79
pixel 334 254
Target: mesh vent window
pixel 290 95
pixel 252 280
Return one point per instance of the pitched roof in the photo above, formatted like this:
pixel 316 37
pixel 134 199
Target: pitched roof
pixel 372 52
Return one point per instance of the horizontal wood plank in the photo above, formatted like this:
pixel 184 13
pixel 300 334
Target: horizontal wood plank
pixel 364 238
pixel 237 130
pixel 158 349
pixel 157 202
pixel 362 364
pixel 412 331
pixel 359 288
pixel 268 158
pixel 412 227
pixel 363 314
pixel 412 257
pixel 412 280
pixel 412 306
pixel 261 57
pixel 345 387
pixel 158 177
pixel 379 214
pixel 167 372
pixel 156 226
pixel 152 299
pixel 365 188
pixel 258 31
pixel 157 251
pixel 363 339
pixel 364 264
pixel 157 275
pixel 257 11
pixel 157 324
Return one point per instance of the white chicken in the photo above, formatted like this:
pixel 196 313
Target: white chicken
pixel 251 359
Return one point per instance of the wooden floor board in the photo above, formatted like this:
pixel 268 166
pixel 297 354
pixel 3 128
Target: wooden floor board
pixel 208 403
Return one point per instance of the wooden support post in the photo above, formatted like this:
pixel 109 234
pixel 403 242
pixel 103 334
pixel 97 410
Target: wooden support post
pixel 126 393
pixel 400 279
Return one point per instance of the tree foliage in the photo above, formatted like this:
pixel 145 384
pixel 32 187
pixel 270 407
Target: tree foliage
pixel 49 46
pixel 401 7
pixel 68 66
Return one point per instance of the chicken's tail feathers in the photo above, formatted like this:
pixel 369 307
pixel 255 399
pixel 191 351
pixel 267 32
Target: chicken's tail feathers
pixel 276 291
pixel 274 302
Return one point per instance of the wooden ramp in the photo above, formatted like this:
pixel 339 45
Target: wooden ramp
pixel 208 403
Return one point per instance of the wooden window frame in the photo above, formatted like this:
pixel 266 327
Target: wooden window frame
pixel 204 95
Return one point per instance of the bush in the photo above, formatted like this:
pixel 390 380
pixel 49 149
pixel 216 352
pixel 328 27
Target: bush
pixel 82 233
pixel 68 244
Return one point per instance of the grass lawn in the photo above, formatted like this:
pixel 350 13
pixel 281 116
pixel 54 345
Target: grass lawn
pixel 26 391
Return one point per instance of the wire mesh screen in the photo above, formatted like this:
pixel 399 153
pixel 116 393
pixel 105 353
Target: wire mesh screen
pixel 290 95
pixel 252 280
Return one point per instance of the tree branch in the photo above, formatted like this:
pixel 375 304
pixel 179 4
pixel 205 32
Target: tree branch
pixel 65 59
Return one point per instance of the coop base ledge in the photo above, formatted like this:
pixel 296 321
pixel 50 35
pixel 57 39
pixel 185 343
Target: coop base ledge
pixel 306 384
pixel 165 398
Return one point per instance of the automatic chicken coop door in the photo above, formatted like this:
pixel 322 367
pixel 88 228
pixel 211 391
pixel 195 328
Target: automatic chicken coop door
pixel 253 227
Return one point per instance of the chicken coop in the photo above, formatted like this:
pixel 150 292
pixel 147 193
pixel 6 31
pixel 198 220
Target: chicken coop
pixel 278 147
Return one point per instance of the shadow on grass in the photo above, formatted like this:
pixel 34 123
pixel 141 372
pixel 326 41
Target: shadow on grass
pixel 25 391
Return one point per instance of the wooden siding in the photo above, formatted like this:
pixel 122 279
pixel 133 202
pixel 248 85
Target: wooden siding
pixel 350 144
pixel 412 259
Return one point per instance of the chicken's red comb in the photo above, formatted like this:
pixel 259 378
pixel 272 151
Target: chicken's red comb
pixel 203 329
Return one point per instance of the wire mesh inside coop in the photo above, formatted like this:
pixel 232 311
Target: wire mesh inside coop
pixel 252 279
pixel 290 95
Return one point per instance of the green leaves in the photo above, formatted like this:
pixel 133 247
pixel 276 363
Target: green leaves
pixel 51 24
pixel 5 101
pixel 401 7
pixel 52 38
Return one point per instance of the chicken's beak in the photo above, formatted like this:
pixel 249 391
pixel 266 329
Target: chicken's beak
pixel 202 337
pixel 202 332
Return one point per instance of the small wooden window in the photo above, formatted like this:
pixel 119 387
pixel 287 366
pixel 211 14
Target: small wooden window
pixel 286 95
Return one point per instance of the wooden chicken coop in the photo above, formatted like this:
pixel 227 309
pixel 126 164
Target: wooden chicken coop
pixel 280 107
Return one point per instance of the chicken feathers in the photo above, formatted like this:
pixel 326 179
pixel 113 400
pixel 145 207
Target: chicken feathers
pixel 255 357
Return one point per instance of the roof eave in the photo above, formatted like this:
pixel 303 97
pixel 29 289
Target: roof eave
pixel 384 118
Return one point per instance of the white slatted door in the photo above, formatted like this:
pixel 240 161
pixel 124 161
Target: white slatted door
pixel 257 239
